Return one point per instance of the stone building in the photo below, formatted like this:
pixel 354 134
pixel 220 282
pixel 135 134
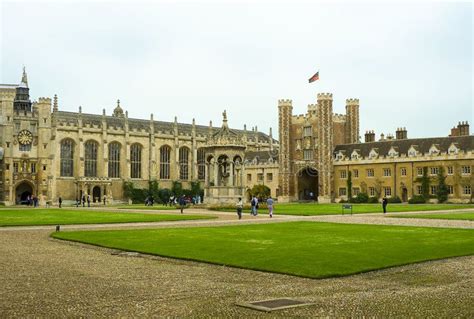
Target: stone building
pixel 307 142
pixel 320 148
pixel 51 153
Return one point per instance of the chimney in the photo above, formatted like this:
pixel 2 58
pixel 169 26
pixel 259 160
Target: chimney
pixel 382 137
pixel 401 133
pixel 463 128
pixel 369 136
pixel 389 136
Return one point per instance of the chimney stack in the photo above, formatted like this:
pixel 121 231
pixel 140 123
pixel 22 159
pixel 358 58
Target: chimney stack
pixel 369 136
pixel 401 133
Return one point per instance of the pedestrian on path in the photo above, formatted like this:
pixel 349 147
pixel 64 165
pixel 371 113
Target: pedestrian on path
pixel 270 206
pixel 254 206
pixel 88 200
pixel 182 203
pixel 239 205
pixel 384 204
pixel 60 201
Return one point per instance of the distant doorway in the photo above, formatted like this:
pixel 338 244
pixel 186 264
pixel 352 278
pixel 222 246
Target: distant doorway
pixel 96 194
pixel 308 184
pixel 23 192
pixel 404 194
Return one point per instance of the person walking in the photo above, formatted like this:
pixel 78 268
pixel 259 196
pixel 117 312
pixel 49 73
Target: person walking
pixel 384 204
pixel 78 202
pixel 182 203
pixel 253 203
pixel 60 201
pixel 88 200
pixel 270 206
pixel 240 206
pixel 105 199
pixel 83 200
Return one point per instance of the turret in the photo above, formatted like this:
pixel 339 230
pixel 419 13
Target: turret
pixel 352 121
pixel 326 147
pixel 285 110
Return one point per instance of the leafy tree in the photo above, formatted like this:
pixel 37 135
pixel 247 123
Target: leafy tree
pixel 196 189
pixel 442 193
pixel 128 188
pixel 154 189
pixel 425 184
pixel 349 186
pixel 177 188
pixel 260 191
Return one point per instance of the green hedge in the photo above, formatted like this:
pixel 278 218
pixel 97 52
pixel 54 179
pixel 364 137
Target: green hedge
pixel 417 200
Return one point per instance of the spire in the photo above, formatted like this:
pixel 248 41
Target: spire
pixel 55 103
pixel 118 111
pixel 24 78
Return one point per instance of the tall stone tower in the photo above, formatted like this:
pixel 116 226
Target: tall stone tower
pixel 352 121
pixel 325 147
pixel 285 110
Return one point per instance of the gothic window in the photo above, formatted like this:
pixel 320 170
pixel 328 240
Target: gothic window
pixel 307 131
pixel 136 161
pixel 67 160
pixel 165 152
pixel 114 160
pixel 308 155
pixel 25 147
pixel 91 150
pixel 183 163
pixel 201 161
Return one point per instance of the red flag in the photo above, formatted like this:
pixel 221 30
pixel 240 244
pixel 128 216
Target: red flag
pixel 314 77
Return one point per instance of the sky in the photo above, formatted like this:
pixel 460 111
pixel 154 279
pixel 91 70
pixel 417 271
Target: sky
pixel 409 63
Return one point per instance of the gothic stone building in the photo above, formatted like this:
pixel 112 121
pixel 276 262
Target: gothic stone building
pixel 320 149
pixel 52 153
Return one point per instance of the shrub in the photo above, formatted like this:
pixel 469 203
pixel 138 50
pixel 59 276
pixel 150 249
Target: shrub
pixel 417 200
pixel 373 200
pixel 260 191
pixel 360 198
pixel 394 200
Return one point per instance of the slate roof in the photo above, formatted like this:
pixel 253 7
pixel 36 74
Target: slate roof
pixel 422 145
pixel 167 127
pixel 262 156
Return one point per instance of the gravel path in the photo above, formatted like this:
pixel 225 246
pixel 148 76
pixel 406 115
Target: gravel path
pixel 46 278
pixel 41 277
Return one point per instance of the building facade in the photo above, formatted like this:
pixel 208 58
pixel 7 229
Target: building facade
pixel 50 153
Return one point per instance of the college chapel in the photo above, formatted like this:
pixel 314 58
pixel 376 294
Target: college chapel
pixel 50 153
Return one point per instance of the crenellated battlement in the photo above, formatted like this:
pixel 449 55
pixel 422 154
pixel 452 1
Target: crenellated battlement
pixel 352 101
pixel 285 102
pixel 42 100
pixel 312 107
pixel 325 96
pixel 338 117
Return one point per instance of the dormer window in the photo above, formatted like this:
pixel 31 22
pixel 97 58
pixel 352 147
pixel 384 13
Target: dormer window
pixel 453 149
pixel 355 155
pixel 373 154
pixel 339 156
pixel 412 152
pixel 434 150
pixel 392 152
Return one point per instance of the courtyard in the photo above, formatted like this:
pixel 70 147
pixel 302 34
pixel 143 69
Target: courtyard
pixel 47 277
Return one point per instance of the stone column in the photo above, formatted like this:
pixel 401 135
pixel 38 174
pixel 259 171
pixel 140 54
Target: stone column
pixel 231 173
pixel 216 174
pixel 206 174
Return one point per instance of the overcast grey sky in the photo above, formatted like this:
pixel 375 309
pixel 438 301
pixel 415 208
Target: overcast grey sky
pixel 409 64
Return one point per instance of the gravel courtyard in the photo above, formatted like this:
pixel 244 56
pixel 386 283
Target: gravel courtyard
pixel 41 277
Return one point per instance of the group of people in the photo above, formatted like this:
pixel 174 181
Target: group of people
pixel 32 200
pixel 254 206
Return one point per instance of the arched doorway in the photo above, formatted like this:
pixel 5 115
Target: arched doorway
pixel 96 194
pixel 23 191
pixel 404 194
pixel 308 184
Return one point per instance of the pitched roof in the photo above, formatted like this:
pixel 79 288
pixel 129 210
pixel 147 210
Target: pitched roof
pixel 464 143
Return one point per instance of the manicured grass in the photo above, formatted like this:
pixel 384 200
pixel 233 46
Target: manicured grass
pixel 456 215
pixel 306 249
pixel 140 206
pixel 32 216
pixel 310 209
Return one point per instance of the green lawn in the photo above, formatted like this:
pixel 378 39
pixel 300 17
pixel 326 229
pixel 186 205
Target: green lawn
pixel 140 206
pixel 309 209
pixel 456 215
pixel 32 216
pixel 306 249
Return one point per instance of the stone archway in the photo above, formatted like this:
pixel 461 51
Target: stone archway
pixel 22 191
pixel 308 182
pixel 96 194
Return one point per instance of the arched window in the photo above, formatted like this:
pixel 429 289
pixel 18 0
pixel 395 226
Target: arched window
pixel 67 158
pixel 183 163
pixel 201 161
pixel 165 155
pixel 91 150
pixel 114 160
pixel 136 161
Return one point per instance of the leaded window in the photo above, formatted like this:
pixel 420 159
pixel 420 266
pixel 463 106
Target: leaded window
pixel 136 161
pixel 91 151
pixel 183 163
pixel 165 155
pixel 114 160
pixel 201 161
pixel 67 158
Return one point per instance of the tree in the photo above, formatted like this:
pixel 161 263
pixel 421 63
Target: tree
pixel 196 188
pixel 260 191
pixel 128 188
pixel 442 193
pixel 349 186
pixel 425 184
pixel 177 188
pixel 154 189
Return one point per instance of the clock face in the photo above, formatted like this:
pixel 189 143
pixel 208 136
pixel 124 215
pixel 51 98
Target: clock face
pixel 25 137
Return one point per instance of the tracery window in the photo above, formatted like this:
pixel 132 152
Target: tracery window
pixel 201 162
pixel 136 161
pixel 91 150
pixel 165 152
pixel 114 160
pixel 67 158
pixel 183 163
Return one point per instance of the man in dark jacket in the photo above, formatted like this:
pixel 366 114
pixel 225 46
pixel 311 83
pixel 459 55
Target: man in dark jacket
pixel 384 204
pixel 182 203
